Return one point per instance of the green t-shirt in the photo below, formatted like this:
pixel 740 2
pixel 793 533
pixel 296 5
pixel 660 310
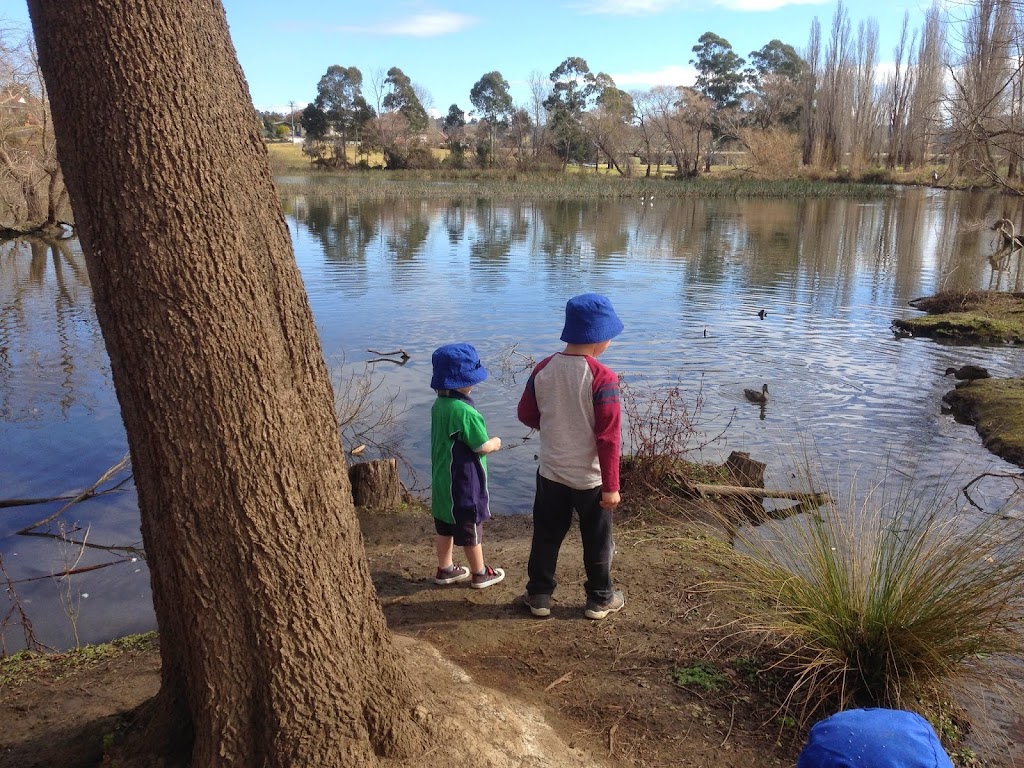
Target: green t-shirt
pixel 458 473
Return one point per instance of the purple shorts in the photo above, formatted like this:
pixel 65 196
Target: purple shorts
pixel 465 532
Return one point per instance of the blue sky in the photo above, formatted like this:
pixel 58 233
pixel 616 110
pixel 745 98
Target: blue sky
pixel 446 45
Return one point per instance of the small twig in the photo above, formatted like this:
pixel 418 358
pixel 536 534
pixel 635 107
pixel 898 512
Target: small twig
pixel 611 738
pixel 564 678
pixel 732 719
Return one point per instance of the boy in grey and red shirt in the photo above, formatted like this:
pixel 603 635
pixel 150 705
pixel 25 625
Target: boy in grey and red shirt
pixel 574 401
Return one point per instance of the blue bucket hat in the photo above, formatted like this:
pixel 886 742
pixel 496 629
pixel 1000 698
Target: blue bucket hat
pixel 590 319
pixel 456 366
pixel 873 738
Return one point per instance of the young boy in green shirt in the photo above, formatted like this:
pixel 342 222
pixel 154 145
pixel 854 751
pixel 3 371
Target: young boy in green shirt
pixel 458 467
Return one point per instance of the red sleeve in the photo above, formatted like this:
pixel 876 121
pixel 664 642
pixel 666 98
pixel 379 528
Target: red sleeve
pixel 607 424
pixel 529 411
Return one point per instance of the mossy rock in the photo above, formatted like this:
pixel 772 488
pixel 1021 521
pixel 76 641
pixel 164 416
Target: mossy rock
pixel 996 408
pixel 967 316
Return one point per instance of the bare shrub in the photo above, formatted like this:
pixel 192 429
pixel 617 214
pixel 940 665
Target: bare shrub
pixel 368 411
pixel 664 430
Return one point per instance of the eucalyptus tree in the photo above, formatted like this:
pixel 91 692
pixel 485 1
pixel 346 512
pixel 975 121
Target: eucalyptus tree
pixel 493 103
pixel 274 648
pixel 398 130
pixel 776 75
pixel 573 89
pixel 719 70
pixel 314 121
pixel 339 95
pixel 454 128
pixel 402 98
pixel 520 129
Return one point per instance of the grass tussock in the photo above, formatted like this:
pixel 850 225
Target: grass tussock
pixel 880 602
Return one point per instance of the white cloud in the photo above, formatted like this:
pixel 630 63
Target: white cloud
pixel 420 25
pixel 671 76
pixel 625 7
pixel 647 7
pixel 764 5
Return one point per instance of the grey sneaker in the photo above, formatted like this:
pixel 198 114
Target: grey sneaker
pixel 488 577
pixel 454 574
pixel 539 605
pixel 597 611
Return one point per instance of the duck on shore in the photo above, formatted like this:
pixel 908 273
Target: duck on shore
pixel 757 397
pixel 968 373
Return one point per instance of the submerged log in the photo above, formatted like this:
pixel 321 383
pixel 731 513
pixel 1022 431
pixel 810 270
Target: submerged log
pixel 375 484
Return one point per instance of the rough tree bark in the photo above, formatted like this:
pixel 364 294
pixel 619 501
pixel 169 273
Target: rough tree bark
pixel 274 648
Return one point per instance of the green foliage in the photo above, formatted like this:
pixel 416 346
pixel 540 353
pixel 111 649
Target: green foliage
pixel 491 98
pixel 701 674
pixel 314 122
pixel 719 70
pixel 402 98
pixel 881 600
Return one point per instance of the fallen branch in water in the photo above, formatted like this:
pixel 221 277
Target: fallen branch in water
pixel 397 353
pixel 708 489
pixel 71 571
pixel 86 494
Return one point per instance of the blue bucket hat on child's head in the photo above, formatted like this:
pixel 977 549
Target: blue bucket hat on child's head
pixel 873 738
pixel 456 366
pixel 590 319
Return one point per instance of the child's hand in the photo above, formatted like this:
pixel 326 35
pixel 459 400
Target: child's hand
pixel 492 445
pixel 609 499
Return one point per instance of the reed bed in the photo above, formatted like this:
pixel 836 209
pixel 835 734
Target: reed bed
pixel 510 186
pixel 881 601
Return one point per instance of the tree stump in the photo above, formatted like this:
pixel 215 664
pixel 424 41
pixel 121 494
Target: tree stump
pixel 376 484
pixel 745 470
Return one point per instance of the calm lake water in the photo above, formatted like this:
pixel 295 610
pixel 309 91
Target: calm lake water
pixel 688 278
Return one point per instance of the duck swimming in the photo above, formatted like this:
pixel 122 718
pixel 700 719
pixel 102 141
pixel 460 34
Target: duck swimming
pixel 757 397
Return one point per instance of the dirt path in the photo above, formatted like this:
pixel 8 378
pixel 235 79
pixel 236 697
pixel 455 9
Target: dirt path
pixel 605 687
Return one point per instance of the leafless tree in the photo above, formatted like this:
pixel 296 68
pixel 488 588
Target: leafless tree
pixel 540 89
pixel 649 144
pixel 979 104
pixel 834 96
pixel 812 76
pixel 32 194
pixel 864 134
pixel 898 89
pixel 923 118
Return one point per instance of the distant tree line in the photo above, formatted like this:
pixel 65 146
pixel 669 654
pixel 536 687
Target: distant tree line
pixel 827 106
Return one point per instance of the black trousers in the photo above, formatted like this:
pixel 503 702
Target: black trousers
pixel 552 515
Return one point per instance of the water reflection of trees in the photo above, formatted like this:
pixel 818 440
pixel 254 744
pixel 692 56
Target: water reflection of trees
pixel 902 241
pixel 46 326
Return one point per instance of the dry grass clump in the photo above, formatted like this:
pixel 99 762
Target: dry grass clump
pixel 883 600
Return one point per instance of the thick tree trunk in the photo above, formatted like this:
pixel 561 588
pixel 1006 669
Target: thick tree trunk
pixel 275 651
